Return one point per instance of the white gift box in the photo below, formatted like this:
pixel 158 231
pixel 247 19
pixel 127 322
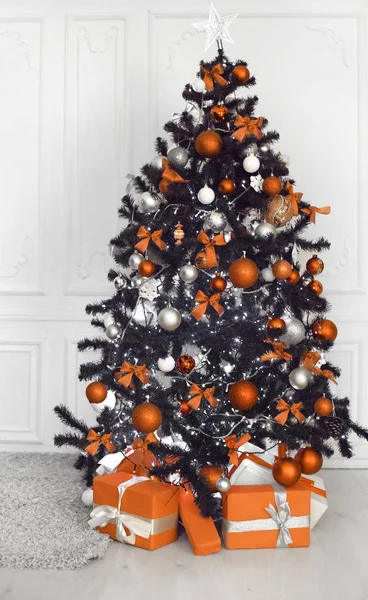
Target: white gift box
pixel 251 473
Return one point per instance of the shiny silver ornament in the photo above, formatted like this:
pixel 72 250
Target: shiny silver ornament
pixel 188 273
pixel 223 485
pixel 264 230
pixel 169 318
pixel 113 331
pixel 157 162
pixel 137 280
pixel 268 275
pixel 300 378
pixel 215 220
pixel 120 282
pixel 264 148
pixel 177 157
pixel 295 331
pixel 148 203
pixel 135 259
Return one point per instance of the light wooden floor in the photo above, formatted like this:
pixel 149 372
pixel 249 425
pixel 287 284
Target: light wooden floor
pixel 335 567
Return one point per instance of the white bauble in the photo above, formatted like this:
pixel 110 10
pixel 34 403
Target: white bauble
pixel 198 85
pixel 109 402
pixel 135 259
pixel 108 320
pixel 87 497
pixel 188 273
pixel 267 274
pixel 148 203
pixel 166 364
pixel 206 195
pixel 251 163
pixel 157 162
pixel 300 378
pixel 169 318
pixel 295 331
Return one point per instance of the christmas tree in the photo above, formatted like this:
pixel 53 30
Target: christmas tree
pixel 215 334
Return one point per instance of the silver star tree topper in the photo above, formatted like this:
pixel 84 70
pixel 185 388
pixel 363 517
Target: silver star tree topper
pixel 216 28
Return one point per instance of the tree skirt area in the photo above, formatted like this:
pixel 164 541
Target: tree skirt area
pixel 42 519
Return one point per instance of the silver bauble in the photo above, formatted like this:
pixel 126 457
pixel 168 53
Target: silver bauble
pixel 169 318
pixel 157 162
pixel 223 485
pixel 264 148
pixel 198 85
pixel 215 220
pixel 120 282
pixel 264 230
pixel 206 195
pixel 300 378
pixel 137 280
pixel 295 331
pixel 135 259
pixel 148 203
pixel 113 331
pixel 188 273
pixel 267 274
pixel 177 157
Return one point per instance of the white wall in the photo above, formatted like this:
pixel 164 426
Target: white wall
pixel 84 89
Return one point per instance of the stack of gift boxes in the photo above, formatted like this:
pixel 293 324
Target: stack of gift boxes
pixel 257 512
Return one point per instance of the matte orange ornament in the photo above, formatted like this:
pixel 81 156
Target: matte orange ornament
pixel 243 395
pixel 218 283
pixel 211 475
pixel 272 186
pixel 323 407
pixel 324 330
pixel 310 460
pixel 315 265
pixel 316 286
pixel 294 277
pixel 185 408
pixel 226 186
pixel 146 268
pixel 276 323
pixel 146 417
pixel 219 113
pixel 286 471
pixel 185 363
pixel 96 392
pixel 281 269
pixel 242 74
pixel 279 211
pixel 208 144
pixel 243 273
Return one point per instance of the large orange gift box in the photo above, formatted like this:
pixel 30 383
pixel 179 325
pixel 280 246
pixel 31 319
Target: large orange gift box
pixel 266 516
pixel 135 510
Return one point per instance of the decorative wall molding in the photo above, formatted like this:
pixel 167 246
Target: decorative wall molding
pixel 340 44
pixel 20 42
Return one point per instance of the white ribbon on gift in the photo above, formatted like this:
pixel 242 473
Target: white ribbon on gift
pixel 109 463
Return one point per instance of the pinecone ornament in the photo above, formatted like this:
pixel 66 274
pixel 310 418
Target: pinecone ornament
pixel 334 427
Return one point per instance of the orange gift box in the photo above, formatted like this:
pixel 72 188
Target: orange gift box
pixel 201 531
pixel 266 516
pixel 136 510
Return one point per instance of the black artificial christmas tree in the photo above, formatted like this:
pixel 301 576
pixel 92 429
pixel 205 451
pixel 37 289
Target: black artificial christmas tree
pixel 215 333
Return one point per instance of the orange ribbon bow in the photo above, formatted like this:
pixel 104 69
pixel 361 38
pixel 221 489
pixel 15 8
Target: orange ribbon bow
pixel 155 237
pixel 96 440
pixel 127 370
pixel 213 75
pixel 198 394
pixel 210 253
pixel 286 409
pixel 247 126
pixel 199 311
pixel 278 352
pixel 170 175
pixel 312 210
pixel 309 361
pixel 141 455
pixel 293 197
pixel 233 444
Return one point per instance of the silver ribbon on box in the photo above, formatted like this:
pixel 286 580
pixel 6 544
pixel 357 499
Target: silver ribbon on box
pixel 103 514
pixel 281 519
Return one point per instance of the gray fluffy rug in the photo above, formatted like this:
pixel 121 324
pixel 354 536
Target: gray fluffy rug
pixel 43 523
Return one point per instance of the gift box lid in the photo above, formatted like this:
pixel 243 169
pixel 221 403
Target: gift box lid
pixel 150 499
pixel 248 502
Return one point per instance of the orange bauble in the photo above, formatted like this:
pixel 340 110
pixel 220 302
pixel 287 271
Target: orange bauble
pixel 146 268
pixel 272 186
pixel 324 330
pixel 242 74
pixel 208 143
pixel 294 277
pixel 185 408
pixel 185 363
pixel 219 113
pixel 164 186
pixel 323 407
pixel 96 392
pixel 276 323
pixel 146 417
pixel 243 395
pixel 286 471
pixel 218 283
pixel 226 186
pixel 315 265
pixel 211 475
pixel 316 286
pixel 243 273
pixel 310 460
pixel 281 269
